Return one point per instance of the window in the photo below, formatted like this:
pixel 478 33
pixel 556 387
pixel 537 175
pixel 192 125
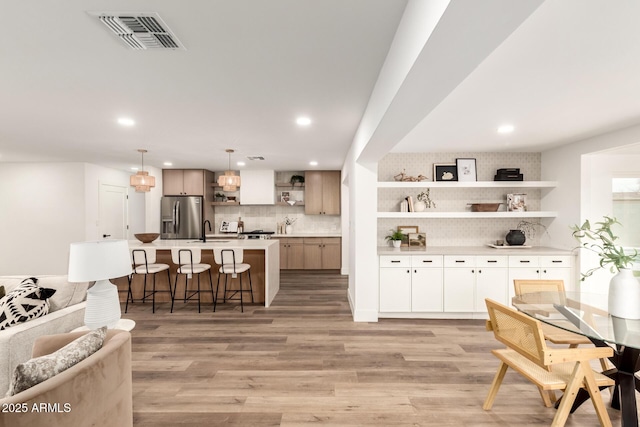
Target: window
pixel 626 208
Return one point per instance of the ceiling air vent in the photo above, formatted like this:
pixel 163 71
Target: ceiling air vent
pixel 255 157
pixel 140 30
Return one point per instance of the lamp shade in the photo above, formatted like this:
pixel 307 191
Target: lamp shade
pixel 98 260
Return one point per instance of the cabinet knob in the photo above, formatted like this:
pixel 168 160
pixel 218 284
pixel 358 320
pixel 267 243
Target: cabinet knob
pixel 408 271
pixel 473 271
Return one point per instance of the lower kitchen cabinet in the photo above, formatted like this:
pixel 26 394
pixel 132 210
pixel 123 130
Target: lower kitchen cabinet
pixel 410 283
pixel 458 285
pixel 310 253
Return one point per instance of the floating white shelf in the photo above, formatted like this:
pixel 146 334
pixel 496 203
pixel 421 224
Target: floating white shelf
pixel 528 214
pixel 475 184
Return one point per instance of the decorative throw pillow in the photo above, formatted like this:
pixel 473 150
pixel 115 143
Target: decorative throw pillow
pixel 27 301
pixel 35 371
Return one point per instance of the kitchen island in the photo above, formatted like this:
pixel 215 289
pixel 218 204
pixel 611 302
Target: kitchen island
pixel 262 255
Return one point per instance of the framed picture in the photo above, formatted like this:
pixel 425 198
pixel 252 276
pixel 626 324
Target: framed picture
pixel 445 172
pixel 516 202
pixel 406 230
pixel 466 169
pixel 284 196
pixel 418 240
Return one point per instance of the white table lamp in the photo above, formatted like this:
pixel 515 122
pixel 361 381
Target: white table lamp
pixel 100 261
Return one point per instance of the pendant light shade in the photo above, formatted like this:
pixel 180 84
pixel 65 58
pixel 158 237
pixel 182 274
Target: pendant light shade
pixel 142 181
pixel 229 181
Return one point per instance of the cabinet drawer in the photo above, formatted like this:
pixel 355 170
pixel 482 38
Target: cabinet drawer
pixel 459 261
pixel 492 261
pixel 426 261
pixel 395 261
pixel 524 261
pixel 555 261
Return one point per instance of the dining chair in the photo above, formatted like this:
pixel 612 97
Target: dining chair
pixel 189 263
pixel 231 264
pixel 144 263
pixel 526 352
pixel 551 333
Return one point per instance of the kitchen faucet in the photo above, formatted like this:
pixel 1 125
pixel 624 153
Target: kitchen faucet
pixel 204 236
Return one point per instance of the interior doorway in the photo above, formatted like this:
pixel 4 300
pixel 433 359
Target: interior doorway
pixel 114 212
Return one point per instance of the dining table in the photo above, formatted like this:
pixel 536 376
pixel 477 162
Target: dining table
pixel 586 314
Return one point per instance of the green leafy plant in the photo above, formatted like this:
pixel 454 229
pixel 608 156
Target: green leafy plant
pixel 395 235
pixel 601 240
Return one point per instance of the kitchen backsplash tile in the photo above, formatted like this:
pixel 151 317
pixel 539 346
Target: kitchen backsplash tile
pixel 267 218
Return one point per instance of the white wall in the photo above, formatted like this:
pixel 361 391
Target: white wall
pixel 46 206
pixel 584 175
pixel 152 203
pixel 42 212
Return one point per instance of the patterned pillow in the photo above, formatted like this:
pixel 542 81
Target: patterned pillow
pixel 35 371
pixel 27 301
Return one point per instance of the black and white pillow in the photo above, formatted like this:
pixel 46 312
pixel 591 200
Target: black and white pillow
pixel 25 302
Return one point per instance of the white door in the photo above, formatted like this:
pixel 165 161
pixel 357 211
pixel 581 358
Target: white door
pixel 114 212
pixel 426 290
pixel 459 286
pixel 395 289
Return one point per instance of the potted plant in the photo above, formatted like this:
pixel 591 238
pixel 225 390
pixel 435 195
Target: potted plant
pixel 296 179
pixel 395 237
pixel 288 224
pixel 624 288
pixel 220 197
pixel 424 201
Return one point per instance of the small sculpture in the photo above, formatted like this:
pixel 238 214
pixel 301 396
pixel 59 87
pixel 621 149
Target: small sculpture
pixel 402 176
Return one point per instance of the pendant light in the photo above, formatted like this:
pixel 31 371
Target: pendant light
pixel 142 180
pixel 229 181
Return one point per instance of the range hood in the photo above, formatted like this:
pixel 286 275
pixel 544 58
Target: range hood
pixel 258 187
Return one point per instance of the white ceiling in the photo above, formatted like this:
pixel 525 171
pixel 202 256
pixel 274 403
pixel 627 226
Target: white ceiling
pixel 252 66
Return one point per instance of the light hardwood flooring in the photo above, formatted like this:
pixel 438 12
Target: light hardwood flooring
pixel 303 361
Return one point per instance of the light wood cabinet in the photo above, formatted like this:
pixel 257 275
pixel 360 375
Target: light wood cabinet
pixel 322 253
pixel 322 193
pixel 291 254
pixel 183 182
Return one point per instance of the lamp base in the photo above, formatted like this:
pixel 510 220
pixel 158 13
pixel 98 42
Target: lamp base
pixel 103 305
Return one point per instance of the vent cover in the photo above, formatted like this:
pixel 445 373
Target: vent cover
pixel 140 30
pixel 255 157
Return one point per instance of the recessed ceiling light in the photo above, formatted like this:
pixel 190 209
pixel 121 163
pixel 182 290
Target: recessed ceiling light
pixel 240 163
pixel 125 121
pixel 313 163
pixel 505 129
pixel 168 164
pixel 303 121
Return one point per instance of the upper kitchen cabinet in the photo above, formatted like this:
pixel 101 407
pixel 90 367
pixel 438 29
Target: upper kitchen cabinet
pixel 322 193
pixel 256 187
pixel 183 182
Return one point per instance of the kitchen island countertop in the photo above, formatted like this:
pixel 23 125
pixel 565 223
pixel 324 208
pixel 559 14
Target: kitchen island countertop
pixel 278 236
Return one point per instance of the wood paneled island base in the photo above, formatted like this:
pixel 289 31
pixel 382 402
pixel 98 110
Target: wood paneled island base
pixel 263 256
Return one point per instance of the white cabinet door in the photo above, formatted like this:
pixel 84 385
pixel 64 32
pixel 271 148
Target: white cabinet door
pixel 426 290
pixel 459 285
pixel 395 289
pixel 491 283
pixel 257 187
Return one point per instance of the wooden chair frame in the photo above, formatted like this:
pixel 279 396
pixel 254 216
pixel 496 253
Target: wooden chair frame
pixel 565 369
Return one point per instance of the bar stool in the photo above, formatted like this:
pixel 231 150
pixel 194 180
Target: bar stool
pixel 144 263
pixel 230 261
pixel 188 261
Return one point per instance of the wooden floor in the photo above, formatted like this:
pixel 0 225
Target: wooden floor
pixel 303 361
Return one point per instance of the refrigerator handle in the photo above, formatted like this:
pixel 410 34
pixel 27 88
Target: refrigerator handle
pixel 177 220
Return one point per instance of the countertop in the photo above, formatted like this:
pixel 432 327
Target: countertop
pixel 472 250
pixel 186 244
pixel 277 236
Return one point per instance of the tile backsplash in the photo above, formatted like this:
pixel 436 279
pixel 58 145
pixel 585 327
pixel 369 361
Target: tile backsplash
pixel 457 231
pixel 267 218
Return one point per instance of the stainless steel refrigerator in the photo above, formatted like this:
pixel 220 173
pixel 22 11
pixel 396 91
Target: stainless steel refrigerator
pixel 181 217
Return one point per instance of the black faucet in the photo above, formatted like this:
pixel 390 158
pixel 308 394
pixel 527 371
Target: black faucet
pixel 204 236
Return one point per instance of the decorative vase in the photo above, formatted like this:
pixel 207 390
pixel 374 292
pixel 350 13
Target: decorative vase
pixel 515 238
pixel 396 243
pixel 624 295
pixel 419 206
pixel 288 229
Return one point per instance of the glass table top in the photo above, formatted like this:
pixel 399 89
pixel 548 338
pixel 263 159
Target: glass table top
pixel 582 313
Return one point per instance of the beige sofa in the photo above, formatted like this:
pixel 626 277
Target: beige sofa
pixel 66 312
pixel 95 392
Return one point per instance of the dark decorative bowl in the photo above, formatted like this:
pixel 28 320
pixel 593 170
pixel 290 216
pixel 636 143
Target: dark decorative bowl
pixel 147 237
